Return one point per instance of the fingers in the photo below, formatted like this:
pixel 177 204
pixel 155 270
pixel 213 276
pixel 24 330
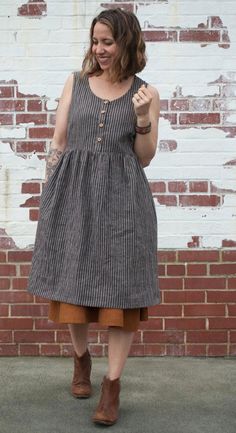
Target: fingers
pixel 142 96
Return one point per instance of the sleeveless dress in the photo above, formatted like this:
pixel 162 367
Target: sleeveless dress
pixel 96 238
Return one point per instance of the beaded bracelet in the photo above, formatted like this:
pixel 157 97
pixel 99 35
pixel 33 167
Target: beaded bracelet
pixel 143 129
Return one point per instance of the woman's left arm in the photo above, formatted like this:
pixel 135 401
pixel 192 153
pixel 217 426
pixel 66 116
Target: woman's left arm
pixel 147 109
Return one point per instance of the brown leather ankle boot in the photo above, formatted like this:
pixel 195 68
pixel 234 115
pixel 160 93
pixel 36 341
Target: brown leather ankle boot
pixel 107 409
pixel 81 385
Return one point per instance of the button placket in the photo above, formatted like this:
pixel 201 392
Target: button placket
pixel 101 122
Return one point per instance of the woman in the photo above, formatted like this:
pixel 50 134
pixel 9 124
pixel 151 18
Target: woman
pixel 96 240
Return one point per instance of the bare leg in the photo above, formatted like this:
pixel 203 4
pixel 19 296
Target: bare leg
pixel 79 337
pixel 118 349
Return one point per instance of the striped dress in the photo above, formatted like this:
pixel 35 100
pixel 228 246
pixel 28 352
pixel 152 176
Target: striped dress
pixel 96 239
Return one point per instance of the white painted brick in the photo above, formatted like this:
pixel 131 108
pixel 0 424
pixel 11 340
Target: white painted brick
pixel 41 53
pixel 12 132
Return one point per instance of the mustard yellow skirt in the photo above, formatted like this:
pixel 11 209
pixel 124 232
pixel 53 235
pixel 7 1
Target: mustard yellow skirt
pixel 128 319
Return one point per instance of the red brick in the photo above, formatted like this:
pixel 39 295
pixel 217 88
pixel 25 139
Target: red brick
pixel 159 35
pixel 172 117
pixel 19 283
pixel 232 350
pixel 96 350
pixel 4 284
pixel 45 324
pixel 232 310
pixel 179 105
pixel 199 200
pixel 223 269
pixel 164 104
pixel 30 188
pixel 199 36
pixel 20 256
pixel 196 350
pixel 222 323
pixel 41 132
pixel 205 283
pixel 157 186
pixel 6 92
pixel 199 118
pixel 12 105
pixel 198 186
pixel 204 310
pixel 232 283
pixel 217 350
pixel 232 336
pixel 193 269
pixel 31 202
pixel 8 350
pixel 29 310
pixel 185 323
pixel 33 214
pixel 198 256
pixel 30 9
pixel 63 337
pixel 221 296
pixel 167 145
pixel 5 336
pixel 163 337
pixel 175 350
pixel 37 119
pixel 34 105
pixel 68 350
pixel 183 297
pixel 31 146
pixel 33 336
pixel 137 350
pixel 228 243
pixel 3 257
pixel 25 270
pixel 6 119
pixel 7 270
pixel 154 350
pixel 12 323
pixel 171 283
pixel 4 310
pixel 161 269
pixel 175 270
pixel 165 310
pixel 167 200
pixel 177 186
pixel 29 350
pixel 229 256
pixel 52 119
pixel 50 350
pixel 12 297
pixel 152 323
pixel 166 256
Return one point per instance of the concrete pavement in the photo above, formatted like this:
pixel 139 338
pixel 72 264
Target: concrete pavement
pixel 163 394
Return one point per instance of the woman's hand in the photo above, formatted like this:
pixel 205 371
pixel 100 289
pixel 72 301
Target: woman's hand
pixel 142 101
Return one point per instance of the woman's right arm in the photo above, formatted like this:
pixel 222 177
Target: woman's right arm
pixel 59 143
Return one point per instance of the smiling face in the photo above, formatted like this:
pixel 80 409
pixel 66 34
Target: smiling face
pixel 104 46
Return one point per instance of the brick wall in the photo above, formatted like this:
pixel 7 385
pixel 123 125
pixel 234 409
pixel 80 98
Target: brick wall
pixel 192 177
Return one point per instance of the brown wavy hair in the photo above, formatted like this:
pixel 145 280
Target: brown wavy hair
pixel 126 31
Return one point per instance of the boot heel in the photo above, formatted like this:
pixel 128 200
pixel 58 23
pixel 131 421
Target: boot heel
pixel 108 406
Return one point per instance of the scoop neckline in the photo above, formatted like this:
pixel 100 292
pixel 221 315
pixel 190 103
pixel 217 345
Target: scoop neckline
pixel 111 100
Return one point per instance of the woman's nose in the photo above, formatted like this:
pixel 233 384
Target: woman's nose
pixel 100 48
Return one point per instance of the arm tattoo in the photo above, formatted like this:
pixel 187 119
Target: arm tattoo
pixel 52 160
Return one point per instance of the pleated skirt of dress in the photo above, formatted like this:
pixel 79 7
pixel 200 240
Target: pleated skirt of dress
pixel 128 319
